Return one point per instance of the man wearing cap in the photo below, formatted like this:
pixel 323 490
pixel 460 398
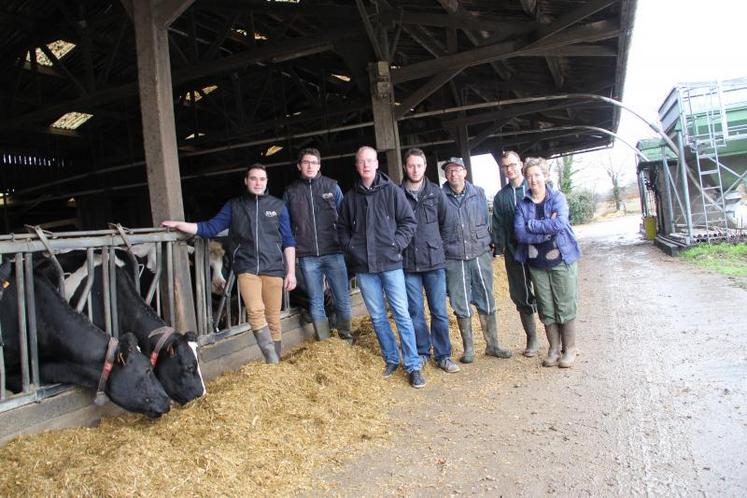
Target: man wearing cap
pixel 425 263
pixel 469 274
pixel 376 224
pixel 504 241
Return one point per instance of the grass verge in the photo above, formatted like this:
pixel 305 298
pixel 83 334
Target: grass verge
pixel 728 259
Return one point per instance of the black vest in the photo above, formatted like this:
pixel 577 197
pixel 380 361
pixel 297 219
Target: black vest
pixel 254 237
pixel 313 212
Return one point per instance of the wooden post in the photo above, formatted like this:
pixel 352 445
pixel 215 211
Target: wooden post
pixel 385 122
pixel 159 139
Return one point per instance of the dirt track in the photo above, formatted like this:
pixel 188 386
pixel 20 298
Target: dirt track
pixel 656 405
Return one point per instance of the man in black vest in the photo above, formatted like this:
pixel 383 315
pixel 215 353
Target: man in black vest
pixel 258 227
pixel 313 201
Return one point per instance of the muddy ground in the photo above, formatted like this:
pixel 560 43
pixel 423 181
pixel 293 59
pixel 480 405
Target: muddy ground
pixel 655 406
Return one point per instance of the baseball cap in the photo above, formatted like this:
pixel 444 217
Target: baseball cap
pixel 453 160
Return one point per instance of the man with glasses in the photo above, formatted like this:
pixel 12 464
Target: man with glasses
pixel 314 201
pixel 376 225
pixel 505 243
pixel 469 271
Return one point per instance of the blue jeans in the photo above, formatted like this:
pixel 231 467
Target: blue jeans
pixel 331 266
pixel 374 286
pixel 434 283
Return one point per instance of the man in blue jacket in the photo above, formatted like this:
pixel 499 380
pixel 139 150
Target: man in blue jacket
pixel 376 224
pixel 313 202
pixel 469 271
pixel 425 262
pixel 258 226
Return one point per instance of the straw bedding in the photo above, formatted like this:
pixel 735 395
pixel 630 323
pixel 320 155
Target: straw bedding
pixel 261 430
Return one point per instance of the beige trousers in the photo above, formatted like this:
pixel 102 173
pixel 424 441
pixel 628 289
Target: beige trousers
pixel 262 296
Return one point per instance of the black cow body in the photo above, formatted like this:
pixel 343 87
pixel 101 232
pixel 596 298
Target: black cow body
pixel 176 365
pixel 73 351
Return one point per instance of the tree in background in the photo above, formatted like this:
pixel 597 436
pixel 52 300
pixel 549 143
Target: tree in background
pixel 565 174
pixel 580 202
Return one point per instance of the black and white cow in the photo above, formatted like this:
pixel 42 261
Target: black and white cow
pixel 173 354
pixel 73 351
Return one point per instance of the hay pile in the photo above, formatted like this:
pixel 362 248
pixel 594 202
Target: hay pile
pixel 261 430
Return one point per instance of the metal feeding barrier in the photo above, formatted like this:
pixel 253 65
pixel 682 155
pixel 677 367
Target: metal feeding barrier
pixel 148 253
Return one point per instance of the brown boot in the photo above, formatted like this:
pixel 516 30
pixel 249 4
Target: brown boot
pixel 568 338
pixel 553 353
pixel 530 329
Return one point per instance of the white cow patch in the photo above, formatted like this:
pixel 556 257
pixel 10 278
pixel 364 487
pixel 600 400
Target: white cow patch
pixel 74 279
pixel 193 346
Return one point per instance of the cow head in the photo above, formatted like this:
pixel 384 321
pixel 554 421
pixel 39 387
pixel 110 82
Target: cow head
pixel 178 369
pixel 132 384
pixel 5 271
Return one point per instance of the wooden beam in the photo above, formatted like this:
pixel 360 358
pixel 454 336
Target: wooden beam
pixel 167 11
pixel 589 33
pixel 63 68
pixel 573 17
pixel 556 71
pixel 425 91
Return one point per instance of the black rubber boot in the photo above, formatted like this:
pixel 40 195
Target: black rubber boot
pixel 321 329
pixel 489 326
pixel 265 343
pixel 553 353
pixel 530 329
pixel 344 330
pixel 568 339
pixel 465 329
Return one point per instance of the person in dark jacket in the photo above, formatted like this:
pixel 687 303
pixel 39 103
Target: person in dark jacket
pixel 548 245
pixel 469 271
pixel 258 227
pixel 425 262
pixel 376 224
pixel 504 242
pixel 313 202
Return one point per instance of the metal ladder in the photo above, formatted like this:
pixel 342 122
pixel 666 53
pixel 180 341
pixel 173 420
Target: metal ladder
pixel 705 145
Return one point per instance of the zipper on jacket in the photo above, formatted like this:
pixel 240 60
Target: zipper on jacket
pixel 313 219
pixel 256 232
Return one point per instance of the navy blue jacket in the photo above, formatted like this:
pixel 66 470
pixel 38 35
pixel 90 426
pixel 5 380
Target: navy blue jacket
pixel 375 225
pixel 313 206
pixel 467 231
pixel 426 249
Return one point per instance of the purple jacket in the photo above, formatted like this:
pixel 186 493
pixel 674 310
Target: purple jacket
pixel 530 230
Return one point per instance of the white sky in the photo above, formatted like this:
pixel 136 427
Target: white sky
pixel 673 41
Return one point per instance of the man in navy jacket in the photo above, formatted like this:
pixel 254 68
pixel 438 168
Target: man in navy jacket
pixel 376 224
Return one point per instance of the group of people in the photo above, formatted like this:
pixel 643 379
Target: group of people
pixel 401 242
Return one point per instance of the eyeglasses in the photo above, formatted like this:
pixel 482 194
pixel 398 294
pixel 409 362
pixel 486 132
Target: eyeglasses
pixel 309 163
pixel 509 165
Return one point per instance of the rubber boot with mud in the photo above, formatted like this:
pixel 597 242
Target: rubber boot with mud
pixel 321 329
pixel 465 329
pixel 530 329
pixel 266 345
pixel 553 353
pixel 344 330
pixel 568 338
pixel 489 326
pixel 278 347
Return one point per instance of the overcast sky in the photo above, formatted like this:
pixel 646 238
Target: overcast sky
pixel 673 41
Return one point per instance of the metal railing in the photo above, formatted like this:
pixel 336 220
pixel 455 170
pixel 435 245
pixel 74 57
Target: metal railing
pixel 150 253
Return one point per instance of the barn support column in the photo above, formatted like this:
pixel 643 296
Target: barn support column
pixel 385 122
pixel 151 19
pixel 464 150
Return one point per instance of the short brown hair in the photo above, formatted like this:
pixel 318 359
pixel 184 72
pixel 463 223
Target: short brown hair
pixel 309 151
pixel 507 153
pixel 415 152
pixel 256 166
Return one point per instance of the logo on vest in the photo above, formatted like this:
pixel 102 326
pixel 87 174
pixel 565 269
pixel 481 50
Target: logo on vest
pixel 327 195
pixel 271 214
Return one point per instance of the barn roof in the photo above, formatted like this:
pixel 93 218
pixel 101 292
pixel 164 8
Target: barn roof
pixel 260 79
